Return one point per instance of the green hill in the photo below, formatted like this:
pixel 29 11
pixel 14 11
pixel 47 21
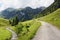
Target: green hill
pixel 53 18
pixel 3 22
pixel 4 34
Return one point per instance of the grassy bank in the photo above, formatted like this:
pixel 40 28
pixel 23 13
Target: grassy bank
pixel 53 18
pixel 28 31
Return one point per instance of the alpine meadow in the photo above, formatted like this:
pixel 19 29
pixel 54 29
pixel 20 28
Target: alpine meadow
pixel 29 19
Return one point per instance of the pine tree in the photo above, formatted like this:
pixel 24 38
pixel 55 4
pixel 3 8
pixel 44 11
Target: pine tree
pixel 9 22
pixel 14 21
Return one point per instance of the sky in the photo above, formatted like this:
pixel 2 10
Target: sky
pixel 24 3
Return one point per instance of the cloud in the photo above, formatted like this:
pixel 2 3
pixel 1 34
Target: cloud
pixel 36 3
pixel 24 3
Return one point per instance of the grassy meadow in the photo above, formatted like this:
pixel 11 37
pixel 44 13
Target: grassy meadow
pixel 4 34
pixel 3 22
pixel 28 29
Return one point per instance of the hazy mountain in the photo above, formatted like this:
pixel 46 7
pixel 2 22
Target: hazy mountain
pixel 24 13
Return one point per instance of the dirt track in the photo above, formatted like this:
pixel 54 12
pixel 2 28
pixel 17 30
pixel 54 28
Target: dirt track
pixel 47 32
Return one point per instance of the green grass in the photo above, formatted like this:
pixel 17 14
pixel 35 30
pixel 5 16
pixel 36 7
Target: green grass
pixel 3 22
pixel 4 34
pixel 27 35
pixel 53 18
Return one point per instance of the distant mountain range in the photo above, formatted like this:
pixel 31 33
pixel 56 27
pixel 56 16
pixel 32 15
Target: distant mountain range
pixel 22 13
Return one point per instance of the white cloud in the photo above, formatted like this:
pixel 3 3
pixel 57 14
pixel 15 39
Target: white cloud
pixel 24 3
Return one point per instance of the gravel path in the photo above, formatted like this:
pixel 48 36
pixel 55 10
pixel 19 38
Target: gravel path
pixel 14 35
pixel 47 32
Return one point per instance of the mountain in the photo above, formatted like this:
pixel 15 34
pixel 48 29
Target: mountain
pixel 54 6
pixel 7 13
pixel 22 13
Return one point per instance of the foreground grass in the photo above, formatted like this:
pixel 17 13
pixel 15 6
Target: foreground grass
pixel 4 34
pixel 27 34
pixel 53 18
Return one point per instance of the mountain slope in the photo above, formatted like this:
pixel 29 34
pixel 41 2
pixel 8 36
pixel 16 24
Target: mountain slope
pixel 49 9
pixel 25 13
pixel 53 18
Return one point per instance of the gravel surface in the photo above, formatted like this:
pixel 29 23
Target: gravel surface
pixel 47 32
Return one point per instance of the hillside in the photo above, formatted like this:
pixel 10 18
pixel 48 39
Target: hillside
pixel 3 22
pixel 53 18
pixel 26 30
pixel 4 34
pixel 54 6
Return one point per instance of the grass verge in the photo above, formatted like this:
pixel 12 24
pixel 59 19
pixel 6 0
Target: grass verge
pixel 29 29
pixel 53 18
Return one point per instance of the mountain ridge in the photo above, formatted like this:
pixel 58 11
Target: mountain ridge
pixel 25 13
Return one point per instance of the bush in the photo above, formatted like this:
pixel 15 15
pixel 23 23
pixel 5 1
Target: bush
pixel 14 21
pixel 19 28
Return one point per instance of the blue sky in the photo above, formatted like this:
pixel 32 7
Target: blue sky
pixel 24 3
